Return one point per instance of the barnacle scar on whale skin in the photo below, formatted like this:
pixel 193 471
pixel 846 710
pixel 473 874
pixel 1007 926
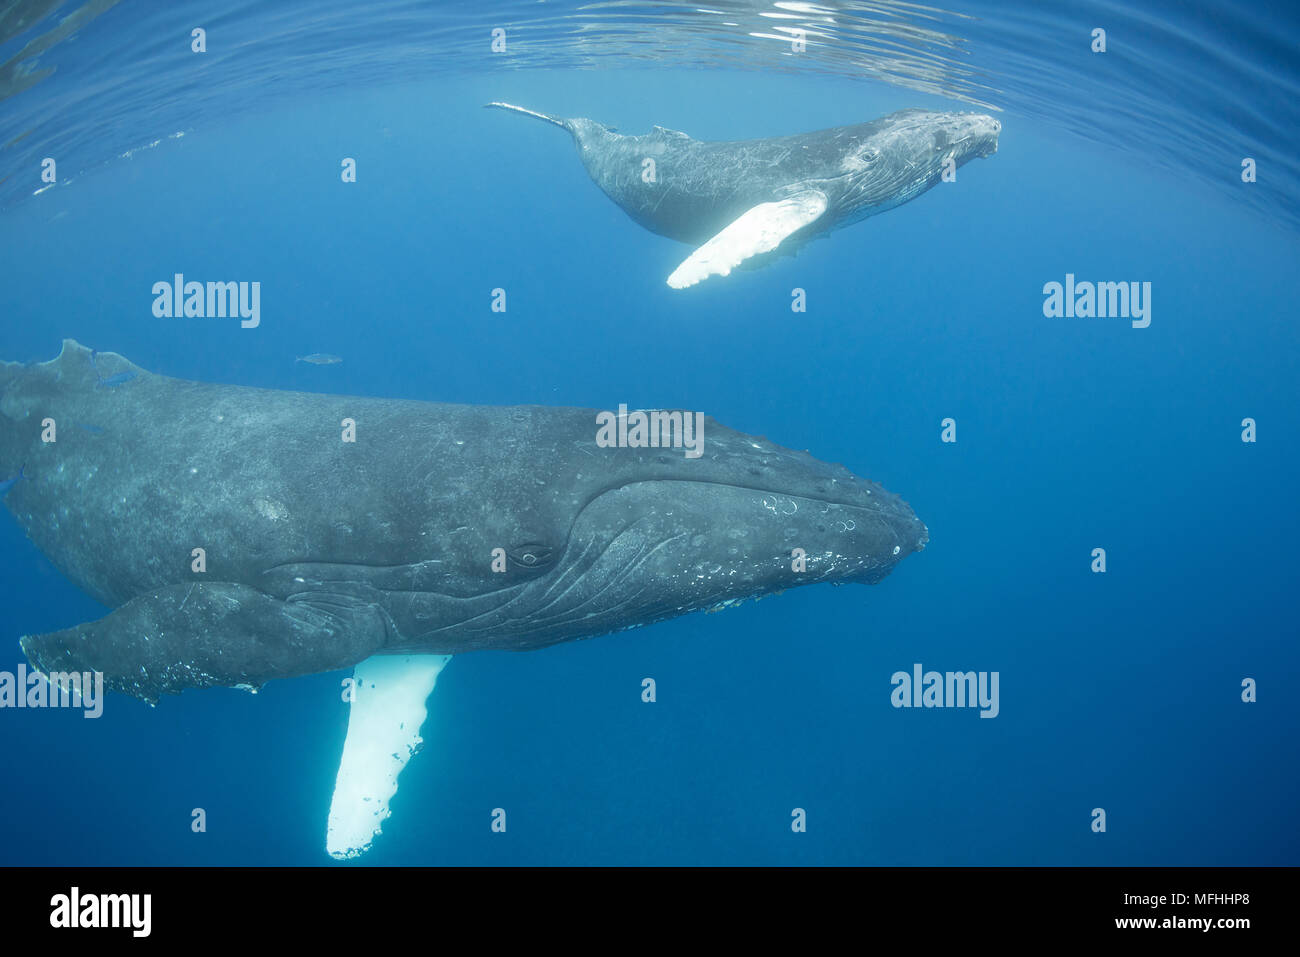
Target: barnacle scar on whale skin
pixel 741 201
pixel 371 545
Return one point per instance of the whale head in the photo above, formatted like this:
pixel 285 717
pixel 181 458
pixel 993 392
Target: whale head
pixel 655 533
pixel 900 156
pixel 926 139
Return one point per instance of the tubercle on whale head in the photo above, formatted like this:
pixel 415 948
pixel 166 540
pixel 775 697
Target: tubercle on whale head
pixel 975 133
pixel 782 499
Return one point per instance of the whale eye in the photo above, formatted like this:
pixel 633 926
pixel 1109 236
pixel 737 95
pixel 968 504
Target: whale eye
pixel 532 555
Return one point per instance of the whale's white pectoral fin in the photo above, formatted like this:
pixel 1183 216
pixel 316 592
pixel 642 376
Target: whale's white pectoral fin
pixel 758 230
pixel 387 710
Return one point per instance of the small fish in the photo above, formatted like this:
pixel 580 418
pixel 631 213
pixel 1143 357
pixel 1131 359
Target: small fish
pixel 92 429
pixel 113 381
pixel 320 359
pixel 7 484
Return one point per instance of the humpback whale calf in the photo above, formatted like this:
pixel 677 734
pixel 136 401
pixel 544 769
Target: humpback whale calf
pixel 241 535
pixel 738 201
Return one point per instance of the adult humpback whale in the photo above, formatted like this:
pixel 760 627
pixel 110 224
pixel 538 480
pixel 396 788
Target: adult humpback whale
pixel 438 529
pixel 740 200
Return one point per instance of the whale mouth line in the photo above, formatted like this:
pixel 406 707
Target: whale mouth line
pixel 873 506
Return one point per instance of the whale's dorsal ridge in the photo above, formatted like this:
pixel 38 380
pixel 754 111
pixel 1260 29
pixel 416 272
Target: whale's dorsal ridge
pixel 80 365
pixel 667 132
pixel 71 351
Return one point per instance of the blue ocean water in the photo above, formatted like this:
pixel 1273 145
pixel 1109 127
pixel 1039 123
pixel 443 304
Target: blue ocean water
pixel 1119 691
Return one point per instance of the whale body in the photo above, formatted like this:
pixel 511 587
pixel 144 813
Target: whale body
pixel 740 201
pixel 241 535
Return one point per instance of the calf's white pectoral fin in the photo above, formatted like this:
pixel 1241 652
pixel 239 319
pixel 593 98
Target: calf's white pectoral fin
pixel 758 230
pixel 387 710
